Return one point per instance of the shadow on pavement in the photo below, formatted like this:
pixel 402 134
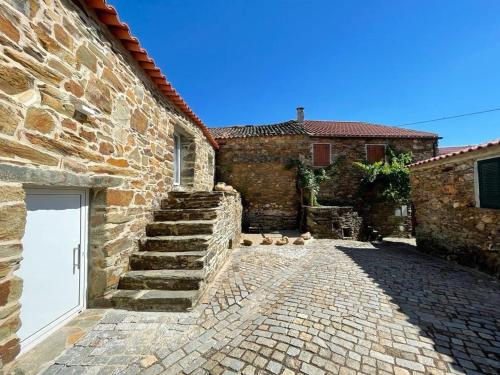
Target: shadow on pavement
pixel 457 308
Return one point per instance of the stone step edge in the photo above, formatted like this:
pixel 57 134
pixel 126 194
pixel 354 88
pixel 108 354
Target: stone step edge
pixel 166 254
pixel 204 237
pixel 184 222
pixel 166 274
pixel 143 299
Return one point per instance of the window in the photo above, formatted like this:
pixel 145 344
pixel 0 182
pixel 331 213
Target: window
pixel 321 154
pixel 375 153
pixel 488 181
pixel 177 159
pixel 401 211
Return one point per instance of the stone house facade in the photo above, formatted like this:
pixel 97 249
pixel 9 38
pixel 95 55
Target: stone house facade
pixel 255 166
pixel 82 106
pixel 252 158
pixel 457 206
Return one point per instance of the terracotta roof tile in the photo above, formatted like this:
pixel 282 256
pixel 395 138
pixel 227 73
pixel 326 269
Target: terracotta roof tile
pixel 319 129
pixel 460 152
pixel 450 149
pixel 108 15
pixel 360 129
pixel 245 131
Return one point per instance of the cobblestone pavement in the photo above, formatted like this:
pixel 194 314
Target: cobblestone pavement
pixel 330 307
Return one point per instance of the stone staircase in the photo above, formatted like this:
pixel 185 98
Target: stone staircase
pixel 171 269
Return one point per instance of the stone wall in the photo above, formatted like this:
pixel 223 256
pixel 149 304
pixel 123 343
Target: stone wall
pixel 55 60
pixel 255 166
pixel 334 222
pixel 344 189
pixel 448 222
pixel 12 222
pixel 381 216
pixel 227 233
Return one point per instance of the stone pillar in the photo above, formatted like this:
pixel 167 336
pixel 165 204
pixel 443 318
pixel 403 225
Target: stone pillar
pixel 12 223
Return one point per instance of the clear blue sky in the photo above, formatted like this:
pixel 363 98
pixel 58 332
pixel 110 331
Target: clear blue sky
pixel 389 62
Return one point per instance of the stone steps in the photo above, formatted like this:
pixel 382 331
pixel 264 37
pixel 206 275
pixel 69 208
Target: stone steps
pixel 185 214
pixel 197 242
pixel 189 204
pixel 155 260
pixel 162 279
pixel 153 300
pixel 168 273
pixel 180 228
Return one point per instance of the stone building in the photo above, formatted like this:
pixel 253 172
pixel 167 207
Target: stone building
pixel 457 205
pixel 252 158
pixel 92 139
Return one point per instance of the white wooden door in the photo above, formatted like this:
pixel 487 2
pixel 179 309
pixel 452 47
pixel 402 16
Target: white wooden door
pixel 53 267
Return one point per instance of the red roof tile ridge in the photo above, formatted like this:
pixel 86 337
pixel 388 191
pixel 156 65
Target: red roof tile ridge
pixel 481 146
pixel 108 15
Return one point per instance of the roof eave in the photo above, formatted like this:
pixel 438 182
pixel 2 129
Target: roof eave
pixel 108 16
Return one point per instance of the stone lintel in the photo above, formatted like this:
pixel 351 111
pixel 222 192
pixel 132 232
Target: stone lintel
pixel 50 177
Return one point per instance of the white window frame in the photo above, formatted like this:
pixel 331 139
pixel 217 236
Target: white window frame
pixel 476 180
pixel 329 153
pixel 375 144
pixel 177 159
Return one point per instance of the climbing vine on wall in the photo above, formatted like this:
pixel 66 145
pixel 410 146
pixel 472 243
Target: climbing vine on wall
pixel 388 180
pixel 309 179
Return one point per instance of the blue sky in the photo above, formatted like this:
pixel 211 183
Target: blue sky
pixel 388 62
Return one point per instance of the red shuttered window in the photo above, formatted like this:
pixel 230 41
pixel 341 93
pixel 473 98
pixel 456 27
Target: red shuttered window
pixel 375 153
pixel 321 155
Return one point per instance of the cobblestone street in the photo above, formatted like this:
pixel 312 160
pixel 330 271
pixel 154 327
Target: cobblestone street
pixel 330 307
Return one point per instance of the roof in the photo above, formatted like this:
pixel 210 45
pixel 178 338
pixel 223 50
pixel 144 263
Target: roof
pixel 245 131
pixel 360 129
pixel 449 150
pixel 463 151
pixel 319 129
pixel 108 15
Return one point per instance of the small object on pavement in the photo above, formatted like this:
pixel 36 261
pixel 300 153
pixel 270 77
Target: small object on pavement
pixel 247 242
pixel 282 241
pixel 267 241
pixel 299 241
pixel 306 236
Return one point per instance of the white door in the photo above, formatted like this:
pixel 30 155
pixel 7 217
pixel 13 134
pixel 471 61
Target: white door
pixel 53 267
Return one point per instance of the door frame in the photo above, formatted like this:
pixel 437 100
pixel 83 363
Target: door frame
pixel 43 333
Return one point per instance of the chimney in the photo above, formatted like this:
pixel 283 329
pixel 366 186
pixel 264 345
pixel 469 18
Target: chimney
pixel 300 114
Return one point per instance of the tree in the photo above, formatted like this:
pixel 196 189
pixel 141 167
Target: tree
pixel 309 179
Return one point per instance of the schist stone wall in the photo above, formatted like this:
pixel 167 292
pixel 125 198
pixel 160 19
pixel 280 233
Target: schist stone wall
pixel 255 166
pixel 449 223
pixel 344 188
pixel 55 57
pixel 334 222
pixel 227 233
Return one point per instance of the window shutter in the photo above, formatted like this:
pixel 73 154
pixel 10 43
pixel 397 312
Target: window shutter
pixel 375 153
pixel 489 183
pixel 321 155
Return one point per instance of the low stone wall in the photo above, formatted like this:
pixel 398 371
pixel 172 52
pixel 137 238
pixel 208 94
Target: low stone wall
pixel 227 233
pixel 338 222
pixel 382 217
pixel 448 221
